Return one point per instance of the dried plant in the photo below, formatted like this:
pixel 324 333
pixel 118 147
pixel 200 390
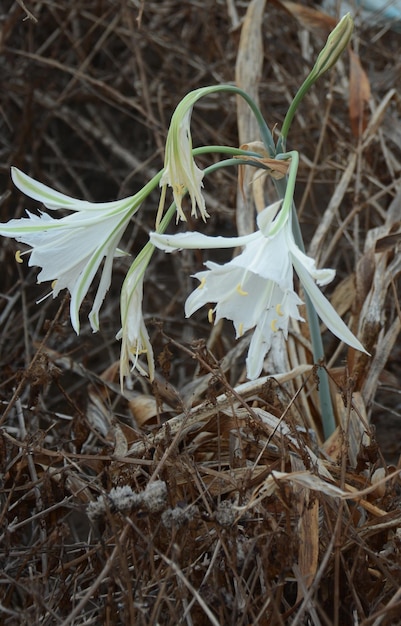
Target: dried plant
pixel 200 498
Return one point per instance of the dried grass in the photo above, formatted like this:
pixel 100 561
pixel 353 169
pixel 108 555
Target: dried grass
pixel 204 499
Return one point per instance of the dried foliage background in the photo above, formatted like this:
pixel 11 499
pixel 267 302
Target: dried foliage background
pixel 204 499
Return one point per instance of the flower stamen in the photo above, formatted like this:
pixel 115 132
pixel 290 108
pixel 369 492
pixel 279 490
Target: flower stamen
pixel 241 291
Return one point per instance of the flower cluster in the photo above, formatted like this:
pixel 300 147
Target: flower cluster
pixel 255 290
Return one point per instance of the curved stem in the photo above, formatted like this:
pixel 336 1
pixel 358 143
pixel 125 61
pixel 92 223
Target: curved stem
pixel 265 133
pixel 281 144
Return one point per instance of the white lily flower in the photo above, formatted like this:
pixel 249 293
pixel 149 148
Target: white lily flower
pixel 71 249
pixel 180 170
pixel 134 335
pixel 256 288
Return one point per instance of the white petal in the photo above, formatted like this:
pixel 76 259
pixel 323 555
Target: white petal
pixel 70 250
pixel 53 199
pixel 325 310
pixel 181 172
pixel 265 217
pixel 196 240
pixel 104 284
pixel 258 349
pixel 321 276
pixel 269 259
pixel 134 334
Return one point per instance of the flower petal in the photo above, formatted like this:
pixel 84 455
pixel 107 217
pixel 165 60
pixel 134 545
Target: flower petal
pixel 258 348
pixel 195 240
pixel 181 172
pixel 325 310
pixel 53 199
pixel 265 218
pixel 321 276
pixel 134 334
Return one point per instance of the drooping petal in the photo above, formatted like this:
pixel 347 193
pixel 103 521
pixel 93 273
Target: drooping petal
pixel 104 283
pixel 53 199
pixel 321 276
pixel 258 348
pixel 195 240
pixel 181 172
pixel 134 334
pixel 325 310
pixel 275 318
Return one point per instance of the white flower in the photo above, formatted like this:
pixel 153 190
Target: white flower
pixel 71 249
pixel 134 335
pixel 180 170
pixel 255 289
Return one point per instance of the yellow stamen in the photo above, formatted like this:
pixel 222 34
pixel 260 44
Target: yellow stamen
pixel 54 284
pixel 179 189
pixel 134 349
pixel 202 283
pixel 143 351
pixel 18 257
pixel 240 329
pixel 210 316
pixel 279 310
pixel 273 326
pixel 241 291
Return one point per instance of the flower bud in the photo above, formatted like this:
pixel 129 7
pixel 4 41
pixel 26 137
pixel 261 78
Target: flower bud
pixel 337 41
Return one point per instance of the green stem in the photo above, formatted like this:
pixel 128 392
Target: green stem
pixel 336 43
pixel 308 82
pixel 225 150
pixel 193 96
pixel 263 128
pixel 326 405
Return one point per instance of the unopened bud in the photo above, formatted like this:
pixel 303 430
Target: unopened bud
pixel 336 43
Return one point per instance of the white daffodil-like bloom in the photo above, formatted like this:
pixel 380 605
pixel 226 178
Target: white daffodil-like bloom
pixel 71 249
pixel 134 335
pixel 180 170
pixel 256 288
